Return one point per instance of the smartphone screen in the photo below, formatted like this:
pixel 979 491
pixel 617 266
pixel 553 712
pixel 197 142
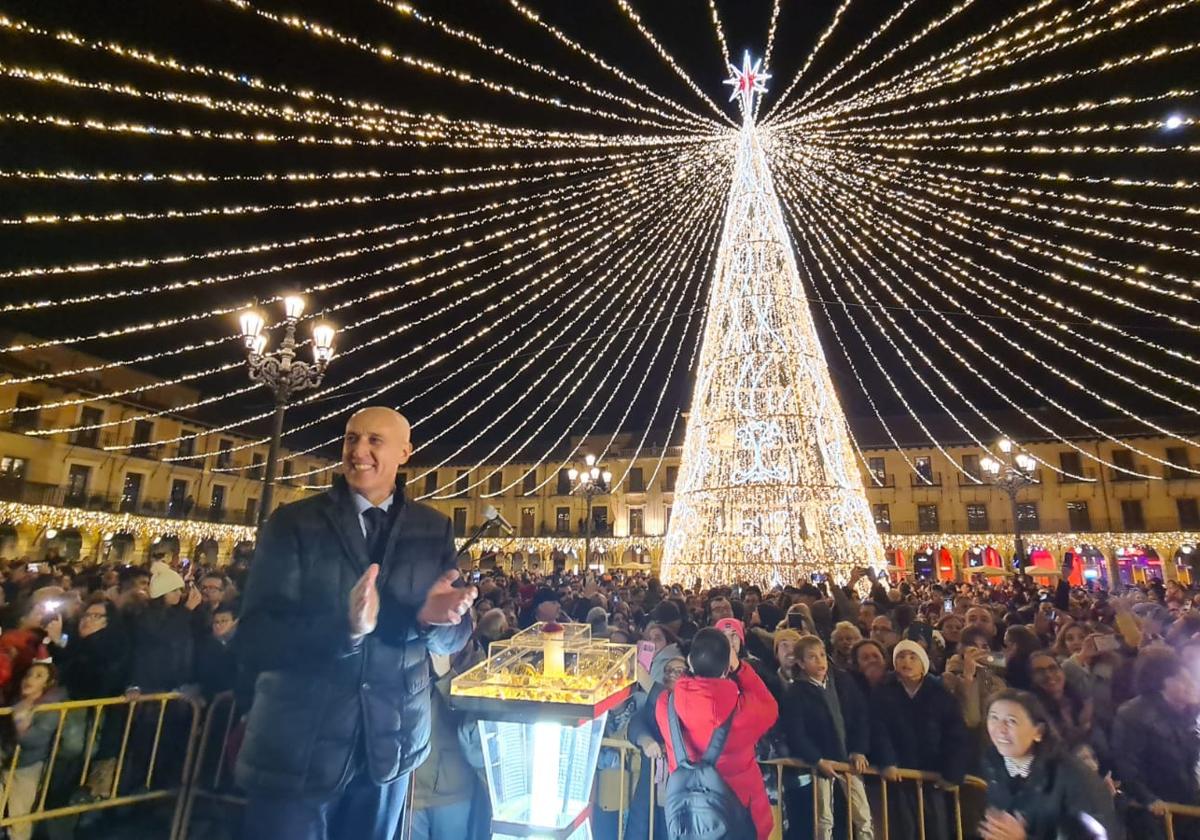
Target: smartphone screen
pixel 948 605
pixel 645 654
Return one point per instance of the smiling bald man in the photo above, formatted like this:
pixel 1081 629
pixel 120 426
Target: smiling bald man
pixel 349 592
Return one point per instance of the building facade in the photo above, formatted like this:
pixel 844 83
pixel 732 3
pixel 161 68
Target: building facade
pixel 930 505
pixel 127 470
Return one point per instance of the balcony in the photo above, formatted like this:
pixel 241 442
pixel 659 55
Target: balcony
pixel 920 480
pixel 36 493
pixel 1179 472
pixel 877 481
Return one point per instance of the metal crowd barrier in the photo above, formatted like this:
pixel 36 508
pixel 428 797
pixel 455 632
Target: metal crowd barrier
pixel 140 726
pixel 204 773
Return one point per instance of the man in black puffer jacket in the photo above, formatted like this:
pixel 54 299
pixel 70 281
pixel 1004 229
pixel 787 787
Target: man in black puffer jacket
pixel 348 592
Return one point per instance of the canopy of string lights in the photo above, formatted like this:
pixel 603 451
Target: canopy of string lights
pixel 533 223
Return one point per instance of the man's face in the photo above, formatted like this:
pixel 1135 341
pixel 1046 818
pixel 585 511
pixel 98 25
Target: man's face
pixel 981 617
pixel 141 584
pixel 721 608
pixel 785 652
pixel 213 589
pixel 750 600
pixel 376 443
pixel 866 614
pixel 881 628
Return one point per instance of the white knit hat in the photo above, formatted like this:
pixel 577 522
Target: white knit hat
pixel 912 647
pixel 163 579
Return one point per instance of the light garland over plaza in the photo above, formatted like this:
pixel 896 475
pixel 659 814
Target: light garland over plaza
pixel 923 219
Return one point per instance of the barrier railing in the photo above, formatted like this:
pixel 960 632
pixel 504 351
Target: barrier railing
pixel 30 785
pixel 118 733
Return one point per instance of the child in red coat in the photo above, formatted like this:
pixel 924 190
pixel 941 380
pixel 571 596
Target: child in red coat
pixel 717 685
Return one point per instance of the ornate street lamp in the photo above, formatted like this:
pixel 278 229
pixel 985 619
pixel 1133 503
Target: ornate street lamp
pixel 589 482
pixel 1011 473
pixel 282 373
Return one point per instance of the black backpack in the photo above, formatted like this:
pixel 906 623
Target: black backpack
pixel 699 805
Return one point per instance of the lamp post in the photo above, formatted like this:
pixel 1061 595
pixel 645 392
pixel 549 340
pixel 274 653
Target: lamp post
pixel 282 373
pixel 1011 473
pixel 589 482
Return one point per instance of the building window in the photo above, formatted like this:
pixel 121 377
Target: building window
pixel 495 482
pixel 224 453
pixel 216 510
pixel 977 519
pixel 529 483
pixel 527 522
pixel 669 479
pixel 1071 465
pixel 600 520
pixel 187 446
pixel 877 467
pixel 12 477
pixel 971 465
pixel 88 416
pixel 927 519
pixel 1078 518
pixel 564 484
pixel 79 477
pixel 1027 516
pixel 460 484
pixel 256 466
pixel 1131 515
pixel 924 467
pixel 637 484
pixel 431 483
pixel 883 518
pixel 177 505
pixel 460 522
pixel 666 518
pixel 24 421
pixel 143 430
pixel 562 520
pixel 1178 456
pixel 637 526
pixel 1189 514
pixel 131 492
pixel 1123 460
pixel 250 516
pixel 286 477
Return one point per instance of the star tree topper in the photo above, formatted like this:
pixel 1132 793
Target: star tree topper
pixel 746 82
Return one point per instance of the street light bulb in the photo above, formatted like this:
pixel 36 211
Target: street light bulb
pixel 252 324
pixel 595 472
pixel 572 473
pixel 1005 445
pixel 1174 121
pixel 323 342
pixel 293 307
pixel 1025 462
pixel 585 479
pixel 607 476
pixel 589 459
pixel 988 464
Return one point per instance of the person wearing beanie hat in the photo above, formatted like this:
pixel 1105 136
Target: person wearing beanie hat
pixel 165 580
pixel 545 606
pixel 919 726
pixel 914 648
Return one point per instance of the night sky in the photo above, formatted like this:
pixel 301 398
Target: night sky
pixel 219 34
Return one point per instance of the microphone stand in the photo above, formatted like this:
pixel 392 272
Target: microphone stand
pixel 476 535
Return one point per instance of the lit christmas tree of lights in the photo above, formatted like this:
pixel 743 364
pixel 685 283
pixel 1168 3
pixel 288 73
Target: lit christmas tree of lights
pixel 768 488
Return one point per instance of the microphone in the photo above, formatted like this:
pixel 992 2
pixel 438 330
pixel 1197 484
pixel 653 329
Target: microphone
pixel 492 515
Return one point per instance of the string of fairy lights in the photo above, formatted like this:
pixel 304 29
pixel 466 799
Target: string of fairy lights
pixel 988 206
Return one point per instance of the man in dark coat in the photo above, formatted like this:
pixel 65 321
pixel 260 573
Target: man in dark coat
pixel 348 594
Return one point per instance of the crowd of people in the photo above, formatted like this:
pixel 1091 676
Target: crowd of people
pixel 1078 706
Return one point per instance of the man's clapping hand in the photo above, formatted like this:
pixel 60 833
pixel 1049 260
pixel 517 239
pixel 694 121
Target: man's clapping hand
pixel 364 603
pixel 447 603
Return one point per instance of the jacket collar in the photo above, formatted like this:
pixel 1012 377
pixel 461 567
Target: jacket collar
pixel 343 514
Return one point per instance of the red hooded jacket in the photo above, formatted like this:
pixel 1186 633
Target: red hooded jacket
pixel 703 704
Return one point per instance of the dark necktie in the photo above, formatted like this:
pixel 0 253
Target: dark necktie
pixel 376 521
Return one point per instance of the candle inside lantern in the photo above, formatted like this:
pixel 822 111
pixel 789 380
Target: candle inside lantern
pixel 552 650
